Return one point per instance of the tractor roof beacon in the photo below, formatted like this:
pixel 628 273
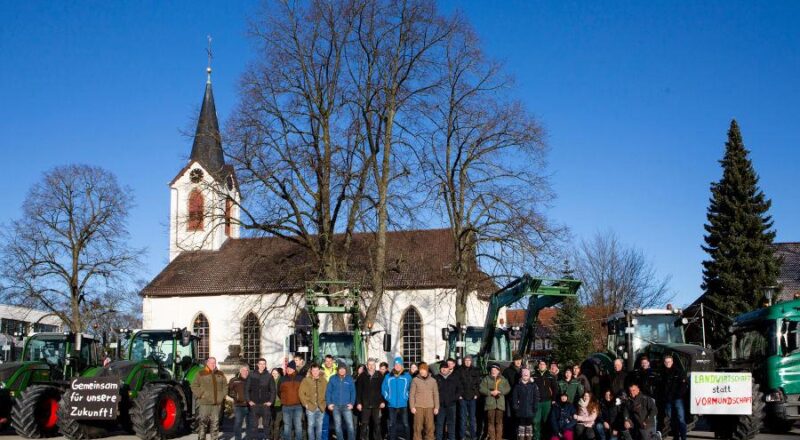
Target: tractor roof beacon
pixel 156 399
pixel 31 388
pixel 766 342
pixel 492 344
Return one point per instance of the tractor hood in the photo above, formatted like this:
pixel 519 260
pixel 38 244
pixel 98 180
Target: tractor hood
pixel 119 369
pixel 692 357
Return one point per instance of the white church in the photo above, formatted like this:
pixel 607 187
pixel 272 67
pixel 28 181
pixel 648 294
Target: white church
pixel 231 290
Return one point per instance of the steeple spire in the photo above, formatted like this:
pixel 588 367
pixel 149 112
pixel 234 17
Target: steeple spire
pixel 207 146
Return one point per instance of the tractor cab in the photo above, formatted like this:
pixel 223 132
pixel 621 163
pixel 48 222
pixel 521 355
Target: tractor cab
pixel 174 351
pixel 470 339
pixel 63 353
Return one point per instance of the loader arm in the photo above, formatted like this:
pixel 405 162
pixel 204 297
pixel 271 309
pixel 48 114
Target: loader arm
pixel 543 297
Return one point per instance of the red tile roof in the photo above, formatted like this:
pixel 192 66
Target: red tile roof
pixel 419 259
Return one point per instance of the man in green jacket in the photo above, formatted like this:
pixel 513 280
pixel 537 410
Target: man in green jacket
pixel 495 387
pixel 571 387
pixel 209 388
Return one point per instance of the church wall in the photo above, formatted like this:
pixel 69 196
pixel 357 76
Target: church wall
pixel 225 313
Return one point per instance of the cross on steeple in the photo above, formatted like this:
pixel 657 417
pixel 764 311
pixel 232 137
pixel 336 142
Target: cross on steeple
pixel 210 56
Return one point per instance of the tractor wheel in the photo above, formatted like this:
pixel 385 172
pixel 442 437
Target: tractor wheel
pixel 157 413
pixel 35 412
pixel 76 429
pixel 747 427
pixel 779 426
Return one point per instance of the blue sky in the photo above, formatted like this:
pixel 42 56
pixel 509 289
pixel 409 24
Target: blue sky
pixel 636 98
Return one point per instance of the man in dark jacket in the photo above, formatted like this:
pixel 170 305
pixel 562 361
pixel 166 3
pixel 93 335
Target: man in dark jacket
pixel 370 401
pixel 640 414
pixel 548 393
pixel 236 391
pixel 618 379
pixel 674 387
pixel 512 373
pixel 449 395
pixel 470 377
pixel 646 377
pixel 260 395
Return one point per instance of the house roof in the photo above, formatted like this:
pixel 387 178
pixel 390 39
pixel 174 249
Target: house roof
pixel 789 277
pixel 418 259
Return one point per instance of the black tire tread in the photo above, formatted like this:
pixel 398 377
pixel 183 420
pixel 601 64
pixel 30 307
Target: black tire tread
pixel 23 418
pixel 748 427
pixel 73 429
pixel 142 411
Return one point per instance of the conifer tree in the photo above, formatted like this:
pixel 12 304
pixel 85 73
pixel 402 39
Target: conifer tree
pixel 572 339
pixel 738 241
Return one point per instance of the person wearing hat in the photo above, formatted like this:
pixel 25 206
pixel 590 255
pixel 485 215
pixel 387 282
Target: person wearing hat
pixel 495 387
pixel 525 401
pixel 395 389
pixel 341 398
pixel 423 398
pixel 470 377
pixel 548 393
pixel 289 393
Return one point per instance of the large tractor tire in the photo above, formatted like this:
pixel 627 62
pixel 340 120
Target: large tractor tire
pixel 779 426
pixel 158 413
pixel 743 427
pixel 35 412
pixel 76 429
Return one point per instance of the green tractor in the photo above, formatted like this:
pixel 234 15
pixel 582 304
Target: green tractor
pixel 156 401
pixel 489 343
pixel 334 297
pixel 766 342
pixel 31 388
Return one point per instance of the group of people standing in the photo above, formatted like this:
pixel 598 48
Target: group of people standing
pixel 457 402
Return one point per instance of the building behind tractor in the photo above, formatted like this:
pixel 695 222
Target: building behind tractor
pixel 156 401
pixel 766 342
pixel 489 343
pixel 31 388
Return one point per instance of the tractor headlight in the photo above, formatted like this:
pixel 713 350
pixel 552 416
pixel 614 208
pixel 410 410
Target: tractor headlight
pixel 774 397
pixel 2 385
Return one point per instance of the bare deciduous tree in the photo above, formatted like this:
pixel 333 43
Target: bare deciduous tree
pixel 617 277
pixel 69 252
pixel 486 155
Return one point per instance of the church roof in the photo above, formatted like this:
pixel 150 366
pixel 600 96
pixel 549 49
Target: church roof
pixel 789 278
pixel 418 259
pixel 207 146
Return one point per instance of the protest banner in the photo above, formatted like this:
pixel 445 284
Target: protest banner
pixel 721 393
pixel 93 398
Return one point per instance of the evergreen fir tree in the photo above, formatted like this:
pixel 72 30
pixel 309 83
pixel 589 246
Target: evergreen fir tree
pixel 571 336
pixel 739 239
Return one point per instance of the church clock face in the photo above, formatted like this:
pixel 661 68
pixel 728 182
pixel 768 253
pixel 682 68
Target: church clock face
pixel 196 175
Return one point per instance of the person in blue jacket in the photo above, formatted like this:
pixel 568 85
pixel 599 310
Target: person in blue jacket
pixel 562 419
pixel 341 397
pixel 395 388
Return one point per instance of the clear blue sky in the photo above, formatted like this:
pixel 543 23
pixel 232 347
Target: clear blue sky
pixel 636 98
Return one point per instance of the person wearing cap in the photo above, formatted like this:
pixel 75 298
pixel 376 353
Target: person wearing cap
pixel 289 393
pixel 449 395
pixel 495 387
pixel 423 399
pixel 395 389
pixel 369 401
pixel 470 377
pixel 548 393
pixel 312 396
pixel 341 399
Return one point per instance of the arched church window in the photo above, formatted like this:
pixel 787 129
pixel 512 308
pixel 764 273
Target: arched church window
pixel 201 329
pixel 302 321
pixel 251 339
pixel 411 336
pixel 196 209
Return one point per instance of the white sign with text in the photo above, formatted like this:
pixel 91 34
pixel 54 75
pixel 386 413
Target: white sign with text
pixel 721 393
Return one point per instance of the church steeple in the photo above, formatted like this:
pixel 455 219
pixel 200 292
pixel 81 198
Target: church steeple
pixel 207 146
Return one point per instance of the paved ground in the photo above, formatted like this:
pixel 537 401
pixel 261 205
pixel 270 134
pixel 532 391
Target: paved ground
pixel 795 434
